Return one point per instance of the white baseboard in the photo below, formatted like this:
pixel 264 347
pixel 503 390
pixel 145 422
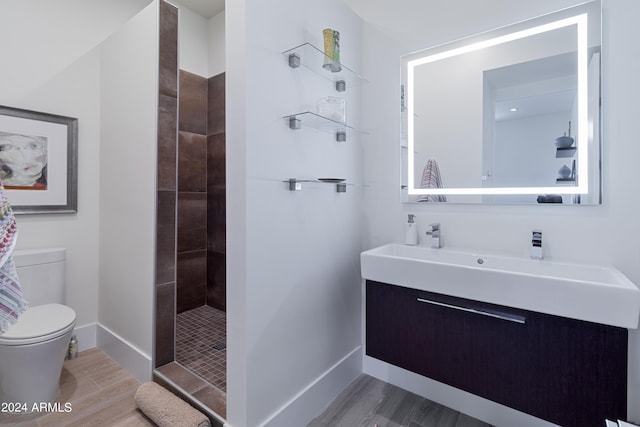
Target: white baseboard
pixel 459 400
pixel 126 355
pixel 86 336
pixel 318 394
pixel 131 359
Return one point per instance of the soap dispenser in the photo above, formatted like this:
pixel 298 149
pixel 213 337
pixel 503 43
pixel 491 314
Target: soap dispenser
pixel 411 231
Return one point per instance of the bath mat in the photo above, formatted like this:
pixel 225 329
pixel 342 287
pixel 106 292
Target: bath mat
pixel 166 409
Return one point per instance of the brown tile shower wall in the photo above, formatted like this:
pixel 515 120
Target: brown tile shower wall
pixel 216 194
pixel 201 193
pixel 166 186
pixel 190 269
pixel 192 192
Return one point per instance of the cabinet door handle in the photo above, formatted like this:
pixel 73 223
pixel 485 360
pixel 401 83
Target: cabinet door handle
pixel 496 315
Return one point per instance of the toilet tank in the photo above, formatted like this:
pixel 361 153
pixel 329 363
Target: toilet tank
pixel 41 275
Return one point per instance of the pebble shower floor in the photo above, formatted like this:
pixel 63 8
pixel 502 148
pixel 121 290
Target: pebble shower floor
pixel 201 337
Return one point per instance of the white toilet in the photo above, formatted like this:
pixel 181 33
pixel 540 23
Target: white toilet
pixel 33 350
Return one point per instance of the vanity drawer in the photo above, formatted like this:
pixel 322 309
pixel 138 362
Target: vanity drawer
pixel 569 372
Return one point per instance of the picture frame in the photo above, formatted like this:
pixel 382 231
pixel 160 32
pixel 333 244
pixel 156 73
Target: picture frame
pixel 39 161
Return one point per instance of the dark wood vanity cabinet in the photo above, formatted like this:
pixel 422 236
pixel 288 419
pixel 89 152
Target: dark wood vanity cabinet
pixel 568 372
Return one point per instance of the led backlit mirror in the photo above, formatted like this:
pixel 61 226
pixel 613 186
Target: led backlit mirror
pixel 508 116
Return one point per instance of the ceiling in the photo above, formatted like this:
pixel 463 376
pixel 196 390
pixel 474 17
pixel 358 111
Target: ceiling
pixel 423 23
pixel 206 8
pixel 419 19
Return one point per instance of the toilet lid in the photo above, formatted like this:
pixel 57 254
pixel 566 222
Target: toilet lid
pixel 37 322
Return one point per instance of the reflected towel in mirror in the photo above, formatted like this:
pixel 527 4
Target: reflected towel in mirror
pixel 431 179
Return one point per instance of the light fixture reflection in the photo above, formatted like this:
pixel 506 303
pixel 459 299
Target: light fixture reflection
pixel 582 141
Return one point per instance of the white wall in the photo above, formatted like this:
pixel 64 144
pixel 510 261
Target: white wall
pixel 293 286
pixel 236 202
pixel 598 234
pixel 525 154
pixel 40 39
pixel 128 158
pixel 201 42
pixel 619 226
pixel 217 45
pixel 49 68
pixel 74 92
pixel 193 45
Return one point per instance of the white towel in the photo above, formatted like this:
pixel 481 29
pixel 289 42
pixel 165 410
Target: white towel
pixel 12 303
pixel 431 179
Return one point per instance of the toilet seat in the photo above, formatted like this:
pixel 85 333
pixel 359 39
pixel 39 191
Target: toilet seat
pixel 40 323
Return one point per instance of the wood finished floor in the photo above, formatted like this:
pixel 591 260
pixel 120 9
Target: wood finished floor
pixel 99 391
pixel 369 402
pixel 102 394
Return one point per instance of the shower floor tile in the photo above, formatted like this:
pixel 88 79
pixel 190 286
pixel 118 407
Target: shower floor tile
pixel 201 339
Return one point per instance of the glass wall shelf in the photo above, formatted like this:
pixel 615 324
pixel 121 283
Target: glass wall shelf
pixel 565 152
pixel 565 180
pixel 321 123
pixel 295 184
pixel 310 57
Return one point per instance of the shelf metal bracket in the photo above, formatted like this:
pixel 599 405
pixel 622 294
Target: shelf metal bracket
pixel 294 60
pixel 295 123
pixel 294 185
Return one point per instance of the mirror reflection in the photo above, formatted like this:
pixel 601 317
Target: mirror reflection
pixel 510 116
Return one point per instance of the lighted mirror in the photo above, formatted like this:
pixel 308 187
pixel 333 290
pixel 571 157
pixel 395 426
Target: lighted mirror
pixel 508 116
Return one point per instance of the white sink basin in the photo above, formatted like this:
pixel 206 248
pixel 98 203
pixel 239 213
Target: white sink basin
pixel 600 294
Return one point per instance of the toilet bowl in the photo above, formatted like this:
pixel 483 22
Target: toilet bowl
pixel 32 351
